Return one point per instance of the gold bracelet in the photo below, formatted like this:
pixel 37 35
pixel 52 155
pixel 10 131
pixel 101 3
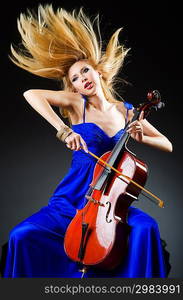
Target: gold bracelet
pixel 63 133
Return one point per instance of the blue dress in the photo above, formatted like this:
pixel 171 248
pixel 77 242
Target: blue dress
pixel 35 247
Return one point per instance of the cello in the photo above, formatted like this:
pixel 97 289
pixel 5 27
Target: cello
pixel 98 234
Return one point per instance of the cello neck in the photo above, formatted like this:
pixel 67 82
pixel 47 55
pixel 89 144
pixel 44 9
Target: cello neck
pixel 115 153
pixel 120 145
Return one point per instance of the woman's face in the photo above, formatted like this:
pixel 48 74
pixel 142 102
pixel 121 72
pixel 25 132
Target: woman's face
pixel 84 78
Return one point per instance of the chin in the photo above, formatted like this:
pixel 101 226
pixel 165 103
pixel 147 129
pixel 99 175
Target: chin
pixel 90 93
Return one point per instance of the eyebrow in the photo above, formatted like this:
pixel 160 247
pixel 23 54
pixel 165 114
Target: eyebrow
pixel 80 72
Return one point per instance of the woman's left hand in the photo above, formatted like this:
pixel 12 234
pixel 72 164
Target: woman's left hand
pixel 135 129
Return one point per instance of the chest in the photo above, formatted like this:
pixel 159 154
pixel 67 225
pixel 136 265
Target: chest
pixel 110 121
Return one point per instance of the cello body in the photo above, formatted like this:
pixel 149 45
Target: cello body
pixel 105 239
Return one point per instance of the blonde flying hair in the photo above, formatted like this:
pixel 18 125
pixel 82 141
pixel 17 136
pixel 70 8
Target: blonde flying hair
pixel 54 40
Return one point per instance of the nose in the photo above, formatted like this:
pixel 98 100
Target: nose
pixel 84 78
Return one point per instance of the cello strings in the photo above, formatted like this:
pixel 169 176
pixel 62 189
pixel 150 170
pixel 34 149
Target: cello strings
pixel 160 202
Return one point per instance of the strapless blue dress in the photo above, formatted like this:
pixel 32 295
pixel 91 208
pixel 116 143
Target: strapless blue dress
pixel 35 246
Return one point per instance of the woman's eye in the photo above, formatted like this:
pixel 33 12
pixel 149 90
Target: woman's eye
pixel 74 79
pixel 86 70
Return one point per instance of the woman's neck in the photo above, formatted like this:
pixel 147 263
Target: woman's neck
pixel 99 102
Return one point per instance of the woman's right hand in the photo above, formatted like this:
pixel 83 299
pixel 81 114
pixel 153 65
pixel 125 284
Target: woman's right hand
pixel 75 142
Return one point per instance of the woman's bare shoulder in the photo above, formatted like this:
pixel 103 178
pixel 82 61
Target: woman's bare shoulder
pixel 120 106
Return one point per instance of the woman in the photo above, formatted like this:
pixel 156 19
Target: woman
pixel 65 47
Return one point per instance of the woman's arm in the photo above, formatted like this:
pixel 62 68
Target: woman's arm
pixel 143 132
pixel 152 137
pixel 41 101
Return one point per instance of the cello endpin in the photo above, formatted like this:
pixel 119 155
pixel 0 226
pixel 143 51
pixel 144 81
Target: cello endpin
pixel 83 270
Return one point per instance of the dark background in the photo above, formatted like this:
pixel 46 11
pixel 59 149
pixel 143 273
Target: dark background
pixel 33 161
